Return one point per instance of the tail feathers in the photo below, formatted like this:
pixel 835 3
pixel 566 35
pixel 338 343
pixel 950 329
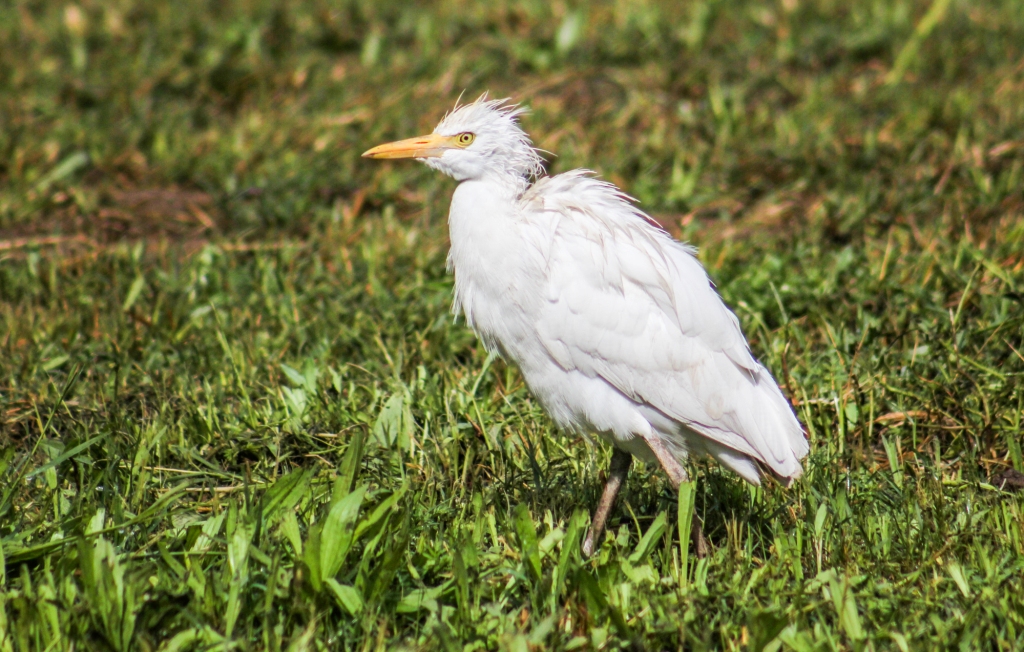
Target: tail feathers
pixel 776 433
pixel 776 440
pixel 759 436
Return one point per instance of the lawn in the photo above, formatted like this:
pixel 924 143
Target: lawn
pixel 236 412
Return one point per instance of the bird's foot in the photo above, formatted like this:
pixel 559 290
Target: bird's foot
pixel 617 473
pixel 701 547
pixel 677 475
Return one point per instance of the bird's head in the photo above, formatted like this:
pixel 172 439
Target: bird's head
pixel 474 141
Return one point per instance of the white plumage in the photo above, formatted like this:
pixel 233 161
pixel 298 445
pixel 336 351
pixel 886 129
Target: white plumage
pixel 615 326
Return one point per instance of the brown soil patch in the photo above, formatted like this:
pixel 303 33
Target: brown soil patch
pixel 116 214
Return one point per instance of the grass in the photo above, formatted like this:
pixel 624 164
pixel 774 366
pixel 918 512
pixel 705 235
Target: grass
pixel 236 413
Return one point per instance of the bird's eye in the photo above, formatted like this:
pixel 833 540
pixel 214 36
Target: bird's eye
pixel 465 139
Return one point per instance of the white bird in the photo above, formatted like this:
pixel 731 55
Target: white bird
pixel 615 326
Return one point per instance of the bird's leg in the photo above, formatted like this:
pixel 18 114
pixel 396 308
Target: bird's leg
pixel 677 475
pixel 617 472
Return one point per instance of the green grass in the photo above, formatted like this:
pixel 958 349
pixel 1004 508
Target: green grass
pixel 235 412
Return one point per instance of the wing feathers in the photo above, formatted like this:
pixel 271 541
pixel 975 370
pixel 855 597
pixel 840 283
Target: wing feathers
pixel 627 303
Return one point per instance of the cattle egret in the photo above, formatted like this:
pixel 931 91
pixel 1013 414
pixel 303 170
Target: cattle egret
pixel 615 326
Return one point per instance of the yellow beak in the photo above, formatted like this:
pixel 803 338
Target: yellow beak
pixel 430 146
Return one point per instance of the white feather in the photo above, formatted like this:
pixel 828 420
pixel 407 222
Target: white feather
pixel 615 326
